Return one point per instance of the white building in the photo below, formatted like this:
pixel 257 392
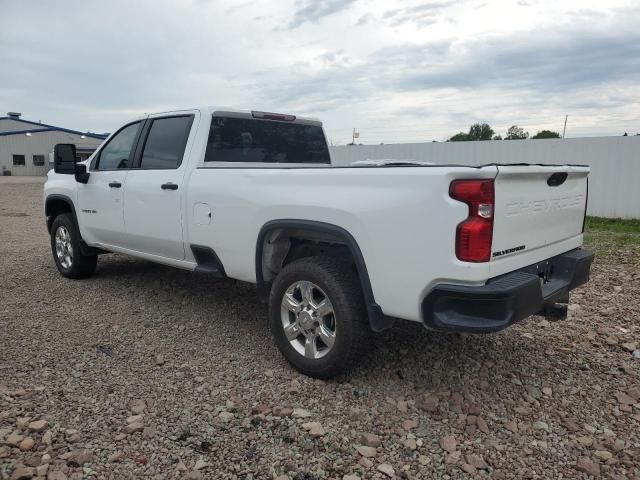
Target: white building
pixel 25 145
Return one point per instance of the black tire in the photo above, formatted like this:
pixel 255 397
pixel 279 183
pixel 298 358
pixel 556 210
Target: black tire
pixel 81 265
pixel 338 281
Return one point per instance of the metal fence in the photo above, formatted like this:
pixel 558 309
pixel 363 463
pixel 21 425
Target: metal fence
pixel 614 183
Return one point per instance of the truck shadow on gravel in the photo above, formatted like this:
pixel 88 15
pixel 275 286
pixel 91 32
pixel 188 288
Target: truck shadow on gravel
pixel 405 353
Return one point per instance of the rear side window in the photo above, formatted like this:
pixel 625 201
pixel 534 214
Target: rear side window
pixel 265 141
pixel 117 153
pixel 165 143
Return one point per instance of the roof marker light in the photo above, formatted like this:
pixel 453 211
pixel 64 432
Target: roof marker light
pixel 273 116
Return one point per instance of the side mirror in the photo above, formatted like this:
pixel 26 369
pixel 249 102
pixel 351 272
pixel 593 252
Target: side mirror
pixel 64 161
pixel 64 158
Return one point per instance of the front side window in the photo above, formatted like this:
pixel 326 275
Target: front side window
pixel 165 143
pixel 38 160
pixel 265 141
pixel 118 152
pixel 18 161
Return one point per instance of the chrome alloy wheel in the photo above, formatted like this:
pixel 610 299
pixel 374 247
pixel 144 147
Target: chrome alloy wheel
pixel 308 319
pixel 64 250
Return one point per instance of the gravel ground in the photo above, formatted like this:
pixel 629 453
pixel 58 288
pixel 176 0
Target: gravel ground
pixel 143 371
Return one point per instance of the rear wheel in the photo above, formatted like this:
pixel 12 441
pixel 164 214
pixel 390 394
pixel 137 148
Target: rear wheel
pixel 317 316
pixel 65 246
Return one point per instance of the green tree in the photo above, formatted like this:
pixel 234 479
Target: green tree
pixel 497 137
pixel 477 131
pixel 459 137
pixel 516 133
pixel 546 134
pixel 480 131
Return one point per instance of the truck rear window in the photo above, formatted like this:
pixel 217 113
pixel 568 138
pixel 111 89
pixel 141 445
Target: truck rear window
pixel 265 141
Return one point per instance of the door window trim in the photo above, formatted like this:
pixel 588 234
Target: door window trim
pixel 96 161
pixel 144 135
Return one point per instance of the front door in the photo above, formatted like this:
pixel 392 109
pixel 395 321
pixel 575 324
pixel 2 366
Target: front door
pixel 153 193
pixel 100 200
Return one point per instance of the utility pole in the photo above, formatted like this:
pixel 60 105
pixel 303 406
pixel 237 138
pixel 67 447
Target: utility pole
pixel 565 125
pixel 354 135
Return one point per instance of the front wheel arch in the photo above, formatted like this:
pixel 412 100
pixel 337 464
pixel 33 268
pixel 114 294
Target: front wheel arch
pixel 57 204
pixel 79 264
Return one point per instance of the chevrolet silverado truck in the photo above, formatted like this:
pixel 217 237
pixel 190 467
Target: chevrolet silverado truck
pixel 336 252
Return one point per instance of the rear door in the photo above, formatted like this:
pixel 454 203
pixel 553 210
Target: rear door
pixel 153 194
pixel 537 207
pixel 100 200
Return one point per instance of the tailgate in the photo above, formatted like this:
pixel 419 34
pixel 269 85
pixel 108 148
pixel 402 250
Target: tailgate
pixel 538 208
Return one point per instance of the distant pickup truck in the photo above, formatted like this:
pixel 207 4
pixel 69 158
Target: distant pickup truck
pixel 337 252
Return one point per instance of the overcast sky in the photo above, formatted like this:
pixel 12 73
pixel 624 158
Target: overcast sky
pixel 397 71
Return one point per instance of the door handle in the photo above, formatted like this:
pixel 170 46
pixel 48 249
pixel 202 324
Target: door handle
pixel 169 186
pixel 115 184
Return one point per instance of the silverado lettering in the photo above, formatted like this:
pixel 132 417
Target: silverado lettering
pixel 508 251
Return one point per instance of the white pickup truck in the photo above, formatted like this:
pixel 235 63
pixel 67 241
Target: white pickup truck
pixel 337 252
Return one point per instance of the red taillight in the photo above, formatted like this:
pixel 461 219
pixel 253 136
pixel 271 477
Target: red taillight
pixel 473 236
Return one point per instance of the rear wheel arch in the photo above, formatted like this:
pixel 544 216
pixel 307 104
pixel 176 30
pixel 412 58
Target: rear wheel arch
pixel 316 232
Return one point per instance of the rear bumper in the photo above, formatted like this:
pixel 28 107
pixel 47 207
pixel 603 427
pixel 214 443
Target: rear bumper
pixel 508 298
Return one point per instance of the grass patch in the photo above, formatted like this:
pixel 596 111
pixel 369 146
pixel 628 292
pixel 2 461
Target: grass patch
pixel 613 239
pixel 619 225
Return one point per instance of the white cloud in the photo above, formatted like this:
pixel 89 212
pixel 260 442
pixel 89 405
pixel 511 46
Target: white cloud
pixel 417 71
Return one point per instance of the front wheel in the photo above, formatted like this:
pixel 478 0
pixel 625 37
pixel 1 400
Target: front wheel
pixel 317 316
pixel 65 246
